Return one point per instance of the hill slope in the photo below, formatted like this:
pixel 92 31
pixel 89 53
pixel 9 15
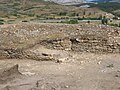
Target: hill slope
pixel 27 10
pixel 110 7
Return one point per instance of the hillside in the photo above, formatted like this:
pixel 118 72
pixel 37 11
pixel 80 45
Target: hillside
pixel 111 7
pixel 28 10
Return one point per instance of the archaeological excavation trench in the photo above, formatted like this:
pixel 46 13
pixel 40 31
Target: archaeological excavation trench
pixel 59 57
pixel 49 41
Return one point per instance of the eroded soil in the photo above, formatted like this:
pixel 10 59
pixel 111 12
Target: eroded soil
pixel 87 72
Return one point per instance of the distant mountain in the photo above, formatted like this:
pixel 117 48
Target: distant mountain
pixel 80 1
pixel 68 1
pixel 65 2
pixel 100 0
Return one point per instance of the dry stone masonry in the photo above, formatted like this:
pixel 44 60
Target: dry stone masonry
pixel 16 40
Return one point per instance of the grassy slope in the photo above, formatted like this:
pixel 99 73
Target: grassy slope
pixel 108 7
pixel 12 10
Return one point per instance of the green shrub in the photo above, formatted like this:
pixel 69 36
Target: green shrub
pixel 73 21
pixel 114 24
pixel 115 18
pixel 89 18
pixel 1 23
pixel 1 20
pixel 104 20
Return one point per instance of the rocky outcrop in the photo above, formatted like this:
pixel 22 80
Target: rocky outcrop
pixel 26 40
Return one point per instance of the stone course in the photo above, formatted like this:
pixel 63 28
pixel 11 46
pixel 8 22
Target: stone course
pixel 16 39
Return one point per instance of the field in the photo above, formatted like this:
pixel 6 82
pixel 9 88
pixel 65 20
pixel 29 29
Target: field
pixel 19 11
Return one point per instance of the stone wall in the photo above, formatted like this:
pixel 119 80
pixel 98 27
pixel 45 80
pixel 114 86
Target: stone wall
pixel 19 38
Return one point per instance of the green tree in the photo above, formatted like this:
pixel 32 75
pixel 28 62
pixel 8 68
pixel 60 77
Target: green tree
pixel 100 17
pixel 104 20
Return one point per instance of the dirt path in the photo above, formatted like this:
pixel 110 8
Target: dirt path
pixel 89 72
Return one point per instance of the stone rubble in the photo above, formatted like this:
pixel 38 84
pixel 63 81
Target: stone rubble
pixel 18 40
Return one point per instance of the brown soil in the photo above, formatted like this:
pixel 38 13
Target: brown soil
pixel 87 72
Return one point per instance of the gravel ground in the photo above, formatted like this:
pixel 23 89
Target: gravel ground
pixel 87 72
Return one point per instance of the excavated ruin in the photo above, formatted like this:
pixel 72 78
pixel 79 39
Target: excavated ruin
pixel 53 41
pixel 90 52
